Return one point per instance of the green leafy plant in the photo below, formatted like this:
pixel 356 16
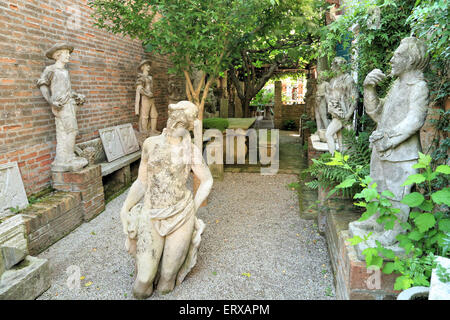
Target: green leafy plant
pixel 290 125
pixel 357 152
pixel 216 123
pixel 427 230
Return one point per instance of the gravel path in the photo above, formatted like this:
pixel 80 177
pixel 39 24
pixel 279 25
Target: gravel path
pixel 255 246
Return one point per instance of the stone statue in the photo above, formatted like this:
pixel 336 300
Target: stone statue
pixel 145 106
pixel 55 86
pixel 341 98
pixel 176 93
pixel 163 232
pixel 395 142
pixel 320 109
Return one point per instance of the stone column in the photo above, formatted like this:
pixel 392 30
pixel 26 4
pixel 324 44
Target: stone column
pixel 278 117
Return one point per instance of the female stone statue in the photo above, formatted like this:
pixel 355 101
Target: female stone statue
pixel 163 231
pixel 145 101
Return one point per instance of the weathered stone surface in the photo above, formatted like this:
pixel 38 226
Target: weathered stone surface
pixel 85 150
pixel 128 138
pixel 10 257
pixel 440 290
pixel 164 227
pixel 13 233
pixel 25 281
pixel 341 96
pixel 110 167
pixel 111 143
pixel 145 102
pixel 12 192
pixel 414 293
pixel 395 142
pixel 320 107
pixel 55 86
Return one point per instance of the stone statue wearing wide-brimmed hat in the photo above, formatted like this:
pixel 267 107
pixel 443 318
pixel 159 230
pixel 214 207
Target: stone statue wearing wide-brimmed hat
pixel 56 88
pixel 145 102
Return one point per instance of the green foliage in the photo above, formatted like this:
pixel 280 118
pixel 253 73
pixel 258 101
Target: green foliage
pixel 375 41
pixel 216 123
pixel 427 231
pixel 263 98
pixel 290 125
pixel 329 174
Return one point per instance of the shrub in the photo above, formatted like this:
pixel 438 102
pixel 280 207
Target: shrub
pixel 290 125
pixel 216 123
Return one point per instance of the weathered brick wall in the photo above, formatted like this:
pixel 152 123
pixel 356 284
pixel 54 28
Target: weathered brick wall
pixel 103 67
pixel 292 112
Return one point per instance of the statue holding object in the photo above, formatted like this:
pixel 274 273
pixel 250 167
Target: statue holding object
pixel 395 142
pixel 145 106
pixel 55 86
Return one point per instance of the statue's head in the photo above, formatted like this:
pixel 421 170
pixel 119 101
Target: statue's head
pixel 145 66
pixel 410 55
pixel 182 115
pixel 60 52
pixel 338 64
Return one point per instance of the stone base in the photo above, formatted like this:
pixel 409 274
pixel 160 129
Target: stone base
pixel 353 280
pixel 75 165
pixel 371 242
pixel 26 281
pixel 88 182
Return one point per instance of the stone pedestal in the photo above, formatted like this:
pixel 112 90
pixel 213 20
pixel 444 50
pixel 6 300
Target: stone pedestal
pixel 353 280
pixel 88 182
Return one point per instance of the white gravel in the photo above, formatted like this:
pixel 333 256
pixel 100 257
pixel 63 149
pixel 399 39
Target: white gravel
pixel 255 246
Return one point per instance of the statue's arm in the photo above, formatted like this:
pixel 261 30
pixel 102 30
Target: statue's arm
pixel 137 190
pixel 201 171
pixel 138 99
pixel 373 104
pixel 415 119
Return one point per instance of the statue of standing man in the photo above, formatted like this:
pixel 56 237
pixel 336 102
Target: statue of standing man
pixel 395 142
pixel 55 86
pixel 145 102
pixel 341 97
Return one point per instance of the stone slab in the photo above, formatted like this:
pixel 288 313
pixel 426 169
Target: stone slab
pixel 12 191
pixel 111 143
pixel 108 168
pixel 128 138
pixel 9 257
pixel 13 233
pixel 26 281
pixel 440 290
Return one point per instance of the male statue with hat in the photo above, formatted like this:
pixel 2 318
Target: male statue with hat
pixel 145 101
pixel 56 88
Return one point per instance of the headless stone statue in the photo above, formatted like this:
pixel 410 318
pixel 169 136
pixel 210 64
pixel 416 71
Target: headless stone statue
pixel 395 142
pixel 145 102
pixel 341 98
pixel 163 233
pixel 55 86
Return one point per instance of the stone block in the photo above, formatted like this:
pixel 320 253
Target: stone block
pixel 12 191
pixel 10 257
pixel 111 143
pixel 13 233
pixel 25 281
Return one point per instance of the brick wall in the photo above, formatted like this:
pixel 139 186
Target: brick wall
pixel 103 68
pixel 292 112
